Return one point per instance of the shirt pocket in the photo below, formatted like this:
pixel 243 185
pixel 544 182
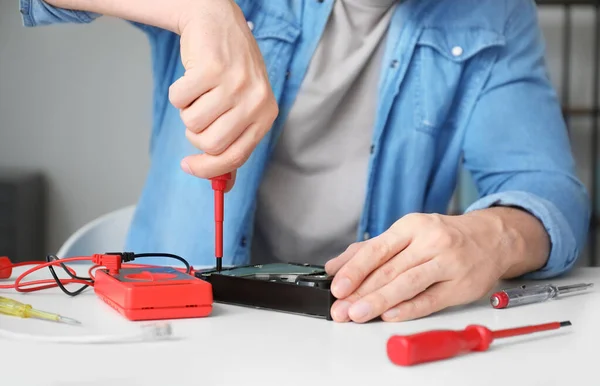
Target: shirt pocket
pixel 452 66
pixel 276 32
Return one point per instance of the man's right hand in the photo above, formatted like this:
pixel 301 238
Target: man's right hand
pixel 224 96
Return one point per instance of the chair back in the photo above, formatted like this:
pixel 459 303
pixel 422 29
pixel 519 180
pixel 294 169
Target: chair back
pixel 106 233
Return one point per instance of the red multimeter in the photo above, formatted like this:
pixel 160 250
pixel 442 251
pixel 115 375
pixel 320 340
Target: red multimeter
pixel 154 293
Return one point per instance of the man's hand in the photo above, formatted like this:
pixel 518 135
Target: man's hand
pixel 427 262
pixel 225 97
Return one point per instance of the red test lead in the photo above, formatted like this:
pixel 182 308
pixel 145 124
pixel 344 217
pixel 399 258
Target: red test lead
pixel 218 185
pixel 443 344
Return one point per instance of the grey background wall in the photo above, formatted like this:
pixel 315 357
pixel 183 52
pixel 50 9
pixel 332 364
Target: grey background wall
pixel 75 103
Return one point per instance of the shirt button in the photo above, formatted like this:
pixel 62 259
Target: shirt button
pixel 394 63
pixel 372 149
pixel 250 25
pixel 457 51
pixel 243 242
pixel 366 236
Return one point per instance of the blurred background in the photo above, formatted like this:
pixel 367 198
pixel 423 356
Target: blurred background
pixel 75 118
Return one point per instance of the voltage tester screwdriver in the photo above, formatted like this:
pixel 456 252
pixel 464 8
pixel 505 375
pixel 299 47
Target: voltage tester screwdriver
pixel 443 344
pixel 219 184
pixel 15 308
pixel 533 294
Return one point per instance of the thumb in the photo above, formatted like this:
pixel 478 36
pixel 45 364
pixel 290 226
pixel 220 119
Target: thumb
pixel 231 182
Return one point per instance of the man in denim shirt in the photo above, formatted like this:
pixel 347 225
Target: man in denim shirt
pixel 344 124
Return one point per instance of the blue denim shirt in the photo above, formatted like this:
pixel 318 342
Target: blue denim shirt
pixel 463 84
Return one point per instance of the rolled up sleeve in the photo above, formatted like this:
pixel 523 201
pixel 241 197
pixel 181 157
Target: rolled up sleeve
pixel 517 147
pixel 39 13
pixel 565 245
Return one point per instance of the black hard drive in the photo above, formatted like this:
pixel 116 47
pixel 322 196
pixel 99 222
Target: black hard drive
pixel 287 287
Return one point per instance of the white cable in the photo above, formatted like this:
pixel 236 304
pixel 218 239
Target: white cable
pixel 149 332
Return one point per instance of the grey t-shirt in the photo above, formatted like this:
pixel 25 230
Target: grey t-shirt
pixel 311 198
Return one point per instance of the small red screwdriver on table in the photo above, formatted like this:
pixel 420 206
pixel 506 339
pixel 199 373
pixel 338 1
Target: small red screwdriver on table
pixel 219 184
pixel 436 345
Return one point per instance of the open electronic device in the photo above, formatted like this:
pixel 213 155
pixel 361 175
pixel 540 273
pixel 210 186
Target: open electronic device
pixel 287 287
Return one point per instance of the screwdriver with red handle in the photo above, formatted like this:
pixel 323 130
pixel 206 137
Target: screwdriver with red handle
pixel 219 184
pixel 436 345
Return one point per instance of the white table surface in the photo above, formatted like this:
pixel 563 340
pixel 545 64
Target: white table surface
pixel 238 345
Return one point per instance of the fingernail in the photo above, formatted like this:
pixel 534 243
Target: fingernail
pixel 186 167
pixel 340 311
pixel 341 287
pixel 359 310
pixel 391 314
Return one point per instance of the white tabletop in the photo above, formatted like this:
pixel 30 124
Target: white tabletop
pixel 237 345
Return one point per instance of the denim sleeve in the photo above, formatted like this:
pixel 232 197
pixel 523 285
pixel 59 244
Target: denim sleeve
pixel 39 13
pixel 517 147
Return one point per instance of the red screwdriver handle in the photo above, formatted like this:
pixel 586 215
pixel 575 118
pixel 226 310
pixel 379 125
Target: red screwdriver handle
pixel 219 184
pixel 436 345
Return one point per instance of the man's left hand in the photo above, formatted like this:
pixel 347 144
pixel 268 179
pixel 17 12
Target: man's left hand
pixel 427 262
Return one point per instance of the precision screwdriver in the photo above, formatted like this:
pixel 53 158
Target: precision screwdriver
pixel 533 294
pixel 219 184
pixel 15 308
pixel 443 344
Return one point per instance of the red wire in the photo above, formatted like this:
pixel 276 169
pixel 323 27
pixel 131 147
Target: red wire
pixel 15 265
pixel 91 271
pixel 39 285
pixel 47 283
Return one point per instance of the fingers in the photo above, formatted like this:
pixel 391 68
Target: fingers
pixel 208 166
pixel 225 97
pixel 371 255
pixel 333 265
pixel 380 277
pixel 409 258
pixel 193 84
pixel 227 140
pixel 432 300
pixel 221 134
pixel 404 287
pixel 206 109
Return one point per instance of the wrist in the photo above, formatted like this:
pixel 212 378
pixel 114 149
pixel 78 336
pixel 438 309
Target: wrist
pixel 524 244
pixel 202 12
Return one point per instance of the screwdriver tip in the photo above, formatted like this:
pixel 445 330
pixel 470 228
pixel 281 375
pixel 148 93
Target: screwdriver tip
pixel 64 319
pixel 565 324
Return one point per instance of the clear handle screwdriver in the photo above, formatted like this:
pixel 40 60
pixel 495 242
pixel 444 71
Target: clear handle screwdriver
pixel 21 310
pixel 533 294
